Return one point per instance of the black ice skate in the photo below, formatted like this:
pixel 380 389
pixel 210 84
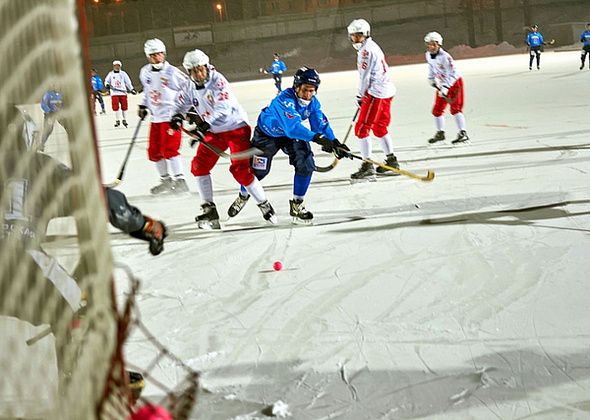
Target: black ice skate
pixel 439 136
pixel 125 124
pixel 299 213
pixel 365 173
pixel 268 212
pixel 209 219
pixel 166 186
pixel 180 186
pixel 117 123
pixel 462 137
pixel 237 205
pixel 390 160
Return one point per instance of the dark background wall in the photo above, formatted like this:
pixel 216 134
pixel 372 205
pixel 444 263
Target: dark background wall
pixel 242 35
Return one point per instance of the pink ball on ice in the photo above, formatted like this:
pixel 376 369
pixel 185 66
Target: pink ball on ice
pixel 277 266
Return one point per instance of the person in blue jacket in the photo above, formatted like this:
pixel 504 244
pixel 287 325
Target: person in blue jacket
pixel 51 105
pixel 280 127
pixel 277 68
pixel 585 40
pixel 535 42
pixel 97 87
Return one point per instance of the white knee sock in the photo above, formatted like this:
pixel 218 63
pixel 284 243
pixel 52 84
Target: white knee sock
pixel 176 167
pixel 205 188
pixel 162 167
pixel 460 121
pixel 256 191
pixel 440 123
pixel 366 147
pixel 387 144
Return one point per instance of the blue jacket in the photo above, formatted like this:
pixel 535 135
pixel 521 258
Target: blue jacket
pixel 585 38
pixel 96 82
pixel 52 101
pixel 284 117
pixel 534 39
pixel 277 67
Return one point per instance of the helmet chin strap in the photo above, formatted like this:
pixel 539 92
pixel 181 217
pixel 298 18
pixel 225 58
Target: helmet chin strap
pixel 158 66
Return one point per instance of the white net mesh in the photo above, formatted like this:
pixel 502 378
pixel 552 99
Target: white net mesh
pixel 55 261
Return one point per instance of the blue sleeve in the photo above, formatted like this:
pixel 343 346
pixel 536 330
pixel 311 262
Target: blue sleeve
pixel 541 40
pixel 528 39
pixel 319 122
pixel 45 102
pixel 99 84
pixel 290 120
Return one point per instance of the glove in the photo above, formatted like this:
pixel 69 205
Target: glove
pixel 359 100
pixel 193 117
pixel 200 132
pixel 444 91
pixel 154 232
pixel 340 150
pixel 142 112
pixel 107 86
pixel 176 122
pixel 432 83
pixel 133 92
pixel 324 142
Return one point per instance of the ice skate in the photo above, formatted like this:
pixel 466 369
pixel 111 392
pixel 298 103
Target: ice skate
pixel 117 123
pixel 103 112
pixel 365 173
pixel 125 124
pixel 166 185
pixel 390 160
pixel 439 136
pixel 180 186
pixel 209 219
pixel 268 212
pixel 299 213
pixel 462 137
pixel 238 205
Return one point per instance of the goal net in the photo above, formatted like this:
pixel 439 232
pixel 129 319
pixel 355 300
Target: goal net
pixel 58 327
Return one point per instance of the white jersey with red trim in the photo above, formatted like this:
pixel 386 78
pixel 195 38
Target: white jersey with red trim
pixel 119 82
pixel 373 71
pixel 161 89
pixel 441 69
pixel 215 102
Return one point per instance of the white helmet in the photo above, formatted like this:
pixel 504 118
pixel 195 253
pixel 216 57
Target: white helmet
pixel 117 63
pixel 359 26
pixel 193 59
pixel 153 46
pixel 434 36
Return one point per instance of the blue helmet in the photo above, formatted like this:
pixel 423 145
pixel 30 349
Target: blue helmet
pixel 307 76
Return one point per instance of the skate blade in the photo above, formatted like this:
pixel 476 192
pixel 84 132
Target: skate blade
pixel 460 143
pixel 372 178
pixel 209 225
pixel 297 221
pixel 436 141
pixel 388 173
pixel 273 220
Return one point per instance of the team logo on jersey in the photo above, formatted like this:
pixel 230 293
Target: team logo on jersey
pixel 305 114
pixel 259 162
pixel 290 116
pixel 165 81
pixel 195 102
pixel 148 81
pixel 365 54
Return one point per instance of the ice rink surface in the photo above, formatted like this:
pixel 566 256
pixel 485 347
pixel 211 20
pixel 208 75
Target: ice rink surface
pixel 462 298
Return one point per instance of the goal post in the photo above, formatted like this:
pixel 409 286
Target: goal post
pixel 55 258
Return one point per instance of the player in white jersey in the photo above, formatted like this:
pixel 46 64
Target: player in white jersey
pixel 119 83
pixel 161 83
pixel 444 77
pixel 375 94
pixel 208 101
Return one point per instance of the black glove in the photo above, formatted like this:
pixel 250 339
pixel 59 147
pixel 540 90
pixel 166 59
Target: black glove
pixel 142 112
pixel 133 92
pixel 359 100
pixel 176 122
pixel 193 117
pixel 324 142
pixel 444 91
pixel 200 132
pixel 107 86
pixel 154 232
pixel 340 150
